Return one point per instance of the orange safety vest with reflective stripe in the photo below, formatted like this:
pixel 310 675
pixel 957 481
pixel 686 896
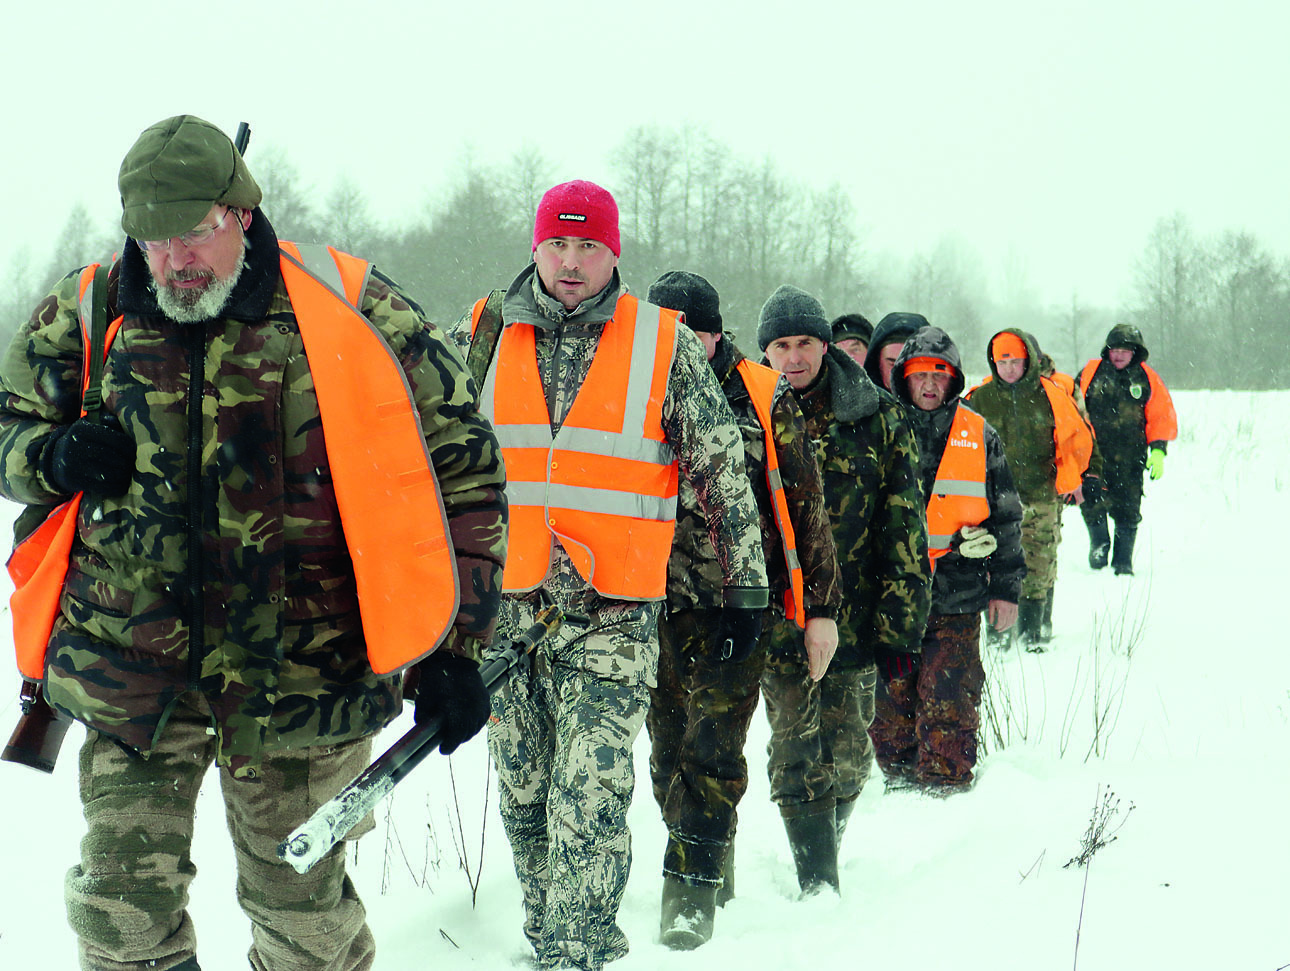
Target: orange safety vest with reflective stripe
pixel 381 474
pixel 958 496
pixel 761 382
pixel 606 484
pixel 1161 419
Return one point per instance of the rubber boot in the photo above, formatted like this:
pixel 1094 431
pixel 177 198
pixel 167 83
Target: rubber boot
pixel 813 839
pixel 726 892
pixel 1046 623
pixel 1122 555
pixel 1030 617
pixel 1099 542
pixel 840 816
pixel 687 914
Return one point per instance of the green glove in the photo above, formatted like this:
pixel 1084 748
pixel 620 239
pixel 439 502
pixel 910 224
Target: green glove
pixel 1155 463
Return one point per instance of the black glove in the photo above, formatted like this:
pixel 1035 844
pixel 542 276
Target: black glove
pixel 894 664
pixel 89 457
pixel 449 687
pixel 737 633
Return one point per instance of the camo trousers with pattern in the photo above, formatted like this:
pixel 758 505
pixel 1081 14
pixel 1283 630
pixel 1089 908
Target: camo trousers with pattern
pixel 127 897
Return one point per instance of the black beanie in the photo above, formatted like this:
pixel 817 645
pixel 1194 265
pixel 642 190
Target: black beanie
pixel 788 312
pixel 690 294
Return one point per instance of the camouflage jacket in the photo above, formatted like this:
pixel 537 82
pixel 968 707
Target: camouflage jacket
pixel 962 585
pixel 698 423
pixel 869 465
pixel 694 575
pixel 232 467
pixel 1023 416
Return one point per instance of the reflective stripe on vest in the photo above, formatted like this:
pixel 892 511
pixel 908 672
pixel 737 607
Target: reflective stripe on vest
pixel 606 484
pixel 395 524
pixel 38 565
pixel 761 382
pixel 958 496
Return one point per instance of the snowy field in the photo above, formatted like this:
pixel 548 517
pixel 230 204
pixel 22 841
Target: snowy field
pixel 1170 691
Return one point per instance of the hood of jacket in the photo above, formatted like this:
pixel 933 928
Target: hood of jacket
pixel 899 326
pixel 1125 335
pixel 928 342
pixel 1034 365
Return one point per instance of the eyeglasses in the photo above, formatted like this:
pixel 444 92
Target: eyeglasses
pixel 194 237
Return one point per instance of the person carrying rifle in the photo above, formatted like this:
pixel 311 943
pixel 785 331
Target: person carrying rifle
pixel 291 499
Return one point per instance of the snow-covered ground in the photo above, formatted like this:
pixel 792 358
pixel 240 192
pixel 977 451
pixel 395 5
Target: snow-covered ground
pixel 1186 722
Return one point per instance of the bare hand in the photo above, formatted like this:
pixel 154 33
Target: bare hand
pixel 1076 495
pixel 1001 614
pixel 821 644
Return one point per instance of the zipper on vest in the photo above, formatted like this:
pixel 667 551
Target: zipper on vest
pixel 196 598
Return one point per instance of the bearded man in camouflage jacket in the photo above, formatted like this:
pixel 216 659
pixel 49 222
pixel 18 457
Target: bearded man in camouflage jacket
pixel 212 609
pixel 701 708
pixel 601 402
pixel 820 753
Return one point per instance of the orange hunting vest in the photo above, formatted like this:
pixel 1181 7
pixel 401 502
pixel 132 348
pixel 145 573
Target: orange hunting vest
pixel 1161 419
pixel 958 496
pixel 605 485
pixel 381 474
pixel 761 382
pixel 1072 437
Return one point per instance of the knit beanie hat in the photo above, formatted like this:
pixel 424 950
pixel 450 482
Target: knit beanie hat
pixel 1007 345
pixel 919 365
pixel 852 327
pixel 788 312
pixel 690 294
pixel 175 172
pixel 581 209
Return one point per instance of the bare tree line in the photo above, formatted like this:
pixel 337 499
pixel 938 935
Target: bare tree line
pixel 1209 308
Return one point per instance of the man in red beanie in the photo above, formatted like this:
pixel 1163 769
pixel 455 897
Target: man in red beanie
pixel 600 400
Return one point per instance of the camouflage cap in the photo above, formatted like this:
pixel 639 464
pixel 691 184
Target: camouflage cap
pixel 175 172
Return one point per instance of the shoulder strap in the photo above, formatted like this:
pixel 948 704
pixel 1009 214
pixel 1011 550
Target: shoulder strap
pixel 93 398
pixel 483 344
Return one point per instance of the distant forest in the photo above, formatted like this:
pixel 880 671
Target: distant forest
pixel 1213 310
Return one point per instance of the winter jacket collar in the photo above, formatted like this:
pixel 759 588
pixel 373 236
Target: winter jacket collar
pixel 527 302
pixel 852 393
pixel 249 300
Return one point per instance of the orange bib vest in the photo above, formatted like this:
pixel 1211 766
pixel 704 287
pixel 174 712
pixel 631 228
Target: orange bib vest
pixel 1159 413
pixel 761 382
pixel 605 485
pixel 381 474
pixel 958 496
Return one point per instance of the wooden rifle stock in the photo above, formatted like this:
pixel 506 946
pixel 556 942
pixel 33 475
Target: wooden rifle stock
pixel 39 733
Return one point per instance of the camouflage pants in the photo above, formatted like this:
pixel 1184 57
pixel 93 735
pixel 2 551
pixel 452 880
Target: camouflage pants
pixel 1041 530
pixel 819 752
pixel 698 722
pixel 561 736
pixel 927 724
pixel 127 898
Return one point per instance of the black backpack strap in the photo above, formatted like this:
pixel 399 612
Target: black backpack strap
pixel 483 344
pixel 93 399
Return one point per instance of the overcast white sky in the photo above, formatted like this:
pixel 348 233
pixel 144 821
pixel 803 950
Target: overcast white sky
pixel 1057 132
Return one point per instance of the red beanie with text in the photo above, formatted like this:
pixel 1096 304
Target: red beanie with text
pixel 581 209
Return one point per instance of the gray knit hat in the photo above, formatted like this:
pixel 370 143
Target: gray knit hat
pixel 175 172
pixel 788 312
pixel 692 295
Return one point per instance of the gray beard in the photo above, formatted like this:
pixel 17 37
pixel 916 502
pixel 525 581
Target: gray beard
pixel 193 307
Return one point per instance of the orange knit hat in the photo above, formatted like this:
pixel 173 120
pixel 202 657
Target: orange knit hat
pixel 1005 346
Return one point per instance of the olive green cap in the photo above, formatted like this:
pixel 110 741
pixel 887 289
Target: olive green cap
pixel 175 172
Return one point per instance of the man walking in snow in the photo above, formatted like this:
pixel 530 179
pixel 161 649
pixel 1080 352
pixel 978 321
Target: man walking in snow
pixel 820 752
pixel 700 710
pixel 925 727
pixel 1134 418
pixel 1049 448
pixel 216 606
pixel 601 402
